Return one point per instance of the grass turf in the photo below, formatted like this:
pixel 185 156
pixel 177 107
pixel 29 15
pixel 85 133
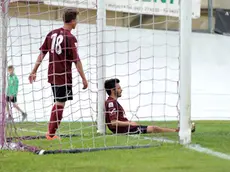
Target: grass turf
pixel 163 158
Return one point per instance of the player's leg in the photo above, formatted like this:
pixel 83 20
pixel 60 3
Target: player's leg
pixel 150 129
pixel 24 114
pixel 55 118
pixel 9 117
pixel 8 109
pixel 61 95
pixel 156 129
pixel 8 104
pixel 15 105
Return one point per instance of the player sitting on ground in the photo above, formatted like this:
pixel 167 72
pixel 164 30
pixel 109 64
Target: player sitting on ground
pixel 115 114
pixel 62 48
pixel 12 92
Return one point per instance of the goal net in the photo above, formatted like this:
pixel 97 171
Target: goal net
pixel 142 43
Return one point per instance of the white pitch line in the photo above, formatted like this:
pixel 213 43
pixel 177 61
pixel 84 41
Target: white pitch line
pixel 32 131
pixel 195 147
pixel 201 149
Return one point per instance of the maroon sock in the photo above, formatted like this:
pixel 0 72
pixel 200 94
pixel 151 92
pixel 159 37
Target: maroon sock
pixel 55 119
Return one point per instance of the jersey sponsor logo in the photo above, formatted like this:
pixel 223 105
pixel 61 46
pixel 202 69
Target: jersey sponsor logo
pixel 110 105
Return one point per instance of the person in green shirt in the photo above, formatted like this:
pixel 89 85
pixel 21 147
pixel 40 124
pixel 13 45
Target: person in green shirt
pixel 12 91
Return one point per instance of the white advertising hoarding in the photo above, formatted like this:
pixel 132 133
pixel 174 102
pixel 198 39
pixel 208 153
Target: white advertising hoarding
pixel 157 7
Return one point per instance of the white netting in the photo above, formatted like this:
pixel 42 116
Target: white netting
pixel 145 60
pixel 131 57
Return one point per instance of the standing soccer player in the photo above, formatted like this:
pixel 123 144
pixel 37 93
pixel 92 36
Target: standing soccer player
pixel 62 48
pixel 12 92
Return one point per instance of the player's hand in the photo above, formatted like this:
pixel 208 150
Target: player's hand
pixel 85 84
pixel 32 77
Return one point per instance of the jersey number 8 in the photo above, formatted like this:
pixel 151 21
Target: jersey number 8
pixel 56 43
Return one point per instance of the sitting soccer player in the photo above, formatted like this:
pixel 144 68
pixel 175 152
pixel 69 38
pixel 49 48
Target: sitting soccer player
pixel 115 114
pixel 12 91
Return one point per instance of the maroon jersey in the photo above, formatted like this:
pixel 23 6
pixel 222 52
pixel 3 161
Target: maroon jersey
pixel 114 111
pixel 62 48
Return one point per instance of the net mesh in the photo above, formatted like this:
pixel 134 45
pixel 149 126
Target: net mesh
pixel 140 50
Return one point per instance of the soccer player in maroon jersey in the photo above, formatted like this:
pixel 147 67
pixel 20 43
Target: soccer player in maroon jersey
pixel 114 115
pixel 62 48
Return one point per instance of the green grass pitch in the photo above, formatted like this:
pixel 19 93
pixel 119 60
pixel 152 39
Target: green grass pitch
pixel 162 157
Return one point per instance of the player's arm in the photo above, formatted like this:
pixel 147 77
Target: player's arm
pixel 113 115
pixel 77 61
pixel 44 50
pixel 80 70
pixel 16 86
pixel 38 62
pixel 32 76
pixel 123 123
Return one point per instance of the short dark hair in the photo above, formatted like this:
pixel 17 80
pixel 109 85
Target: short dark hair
pixel 110 84
pixel 10 67
pixel 69 15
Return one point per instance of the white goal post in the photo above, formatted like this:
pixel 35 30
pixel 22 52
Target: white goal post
pixel 185 71
pixel 101 61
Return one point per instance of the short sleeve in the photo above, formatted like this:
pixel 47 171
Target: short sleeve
pixel 44 48
pixel 112 110
pixel 74 49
